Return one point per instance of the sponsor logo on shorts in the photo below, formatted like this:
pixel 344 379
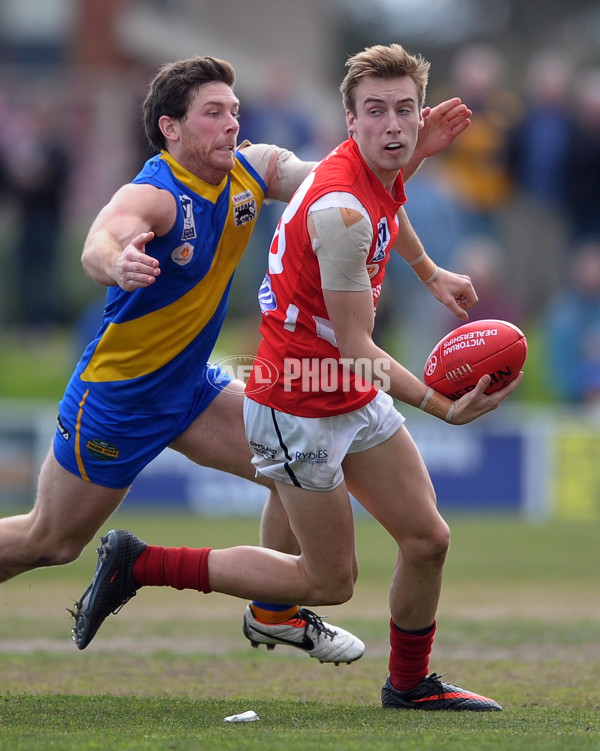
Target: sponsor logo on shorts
pixel 102 449
pixel 262 450
pixel 320 456
pixel 66 434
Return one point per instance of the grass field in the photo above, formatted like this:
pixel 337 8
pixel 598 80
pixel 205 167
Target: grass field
pixel 519 620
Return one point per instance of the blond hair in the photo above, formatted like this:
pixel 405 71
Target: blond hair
pixel 383 61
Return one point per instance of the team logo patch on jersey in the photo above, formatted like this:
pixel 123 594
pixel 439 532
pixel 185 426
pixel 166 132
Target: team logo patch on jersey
pixel 244 212
pixel 372 269
pixel 183 254
pixel 383 240
pixel 102 450
pixel 266 296
pixel 189 225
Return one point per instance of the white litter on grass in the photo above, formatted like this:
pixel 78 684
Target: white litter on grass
pixel 248 716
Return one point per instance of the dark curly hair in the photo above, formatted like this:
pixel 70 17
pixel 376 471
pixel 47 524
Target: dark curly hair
pixel 173 87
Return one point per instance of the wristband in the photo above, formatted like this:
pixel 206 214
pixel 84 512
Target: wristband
pixel 435 404
pixel 451 412
pixel 424 268
pixel 426 398
pixel 415 261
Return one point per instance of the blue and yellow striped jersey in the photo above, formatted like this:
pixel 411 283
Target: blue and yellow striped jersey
pixel 152 347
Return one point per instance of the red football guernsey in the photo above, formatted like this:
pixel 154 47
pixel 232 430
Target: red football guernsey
pixel 298 368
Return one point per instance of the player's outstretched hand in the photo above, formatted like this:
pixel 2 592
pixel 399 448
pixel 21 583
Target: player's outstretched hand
pixel 476 403
pixel 134 269
pixel 455 291
pixel 441 125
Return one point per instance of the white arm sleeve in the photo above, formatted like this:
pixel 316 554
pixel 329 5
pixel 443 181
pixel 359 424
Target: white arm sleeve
pixel 280 169
pixel 341 251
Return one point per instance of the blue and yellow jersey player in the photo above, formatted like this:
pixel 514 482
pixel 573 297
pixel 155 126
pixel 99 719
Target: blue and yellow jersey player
pixel 197 258
pixel 150 356
pixel 166 246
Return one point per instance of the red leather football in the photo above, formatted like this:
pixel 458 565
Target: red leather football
pixel 458 361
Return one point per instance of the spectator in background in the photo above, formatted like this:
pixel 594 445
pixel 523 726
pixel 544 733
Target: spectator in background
pixel 410 323
pixel 5 109
pixel 539 140
pixel 474 168
pixel 37 171
pixel 572 330
pixel 482 259
pixel 275 115
pixel 583 160
pixel 536 222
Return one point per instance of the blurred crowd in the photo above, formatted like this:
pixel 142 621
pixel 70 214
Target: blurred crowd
pixel 35 169
pixel 515 203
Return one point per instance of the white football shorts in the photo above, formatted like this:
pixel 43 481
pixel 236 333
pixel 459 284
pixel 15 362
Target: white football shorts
pixel 308 451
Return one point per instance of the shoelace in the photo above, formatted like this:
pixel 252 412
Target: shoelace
pixel 312 619
pixel 436 680
pixel 124 602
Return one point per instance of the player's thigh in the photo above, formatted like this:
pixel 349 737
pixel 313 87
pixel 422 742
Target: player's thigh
pixel 392 483
pixel 216 438
pixel 69 509
pixel 323 524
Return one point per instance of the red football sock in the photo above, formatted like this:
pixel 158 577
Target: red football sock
pixel 409 656
pixel 181 568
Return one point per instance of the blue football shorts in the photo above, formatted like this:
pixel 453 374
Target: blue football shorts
pixel 109 447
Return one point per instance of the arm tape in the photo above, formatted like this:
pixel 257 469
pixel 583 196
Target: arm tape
pixel 424 268
pixel 291 170
pixel 433 404
pixel 342 251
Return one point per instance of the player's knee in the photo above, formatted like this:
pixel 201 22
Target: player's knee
pixel 336 588
pixel 57 553
pixel 438 545
pixel 430 549
pixel 66 554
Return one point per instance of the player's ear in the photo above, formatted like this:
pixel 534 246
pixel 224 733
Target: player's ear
pixel 168 127
pixel 350 122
